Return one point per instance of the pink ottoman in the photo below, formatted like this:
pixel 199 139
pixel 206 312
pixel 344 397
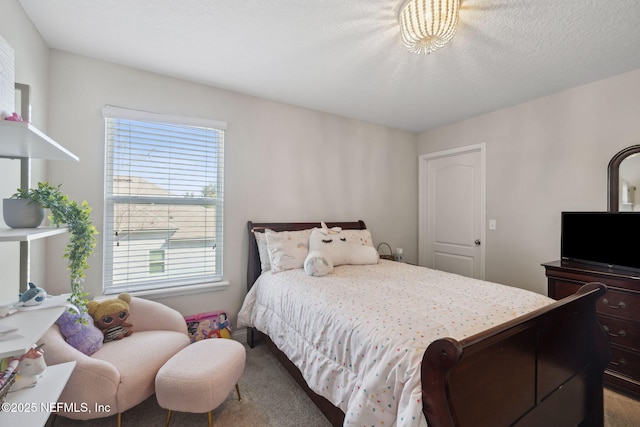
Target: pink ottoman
pixel 201 376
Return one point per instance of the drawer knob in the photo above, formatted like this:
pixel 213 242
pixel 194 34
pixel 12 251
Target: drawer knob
pixel 621 332
pixel 620 305
pixel 622 362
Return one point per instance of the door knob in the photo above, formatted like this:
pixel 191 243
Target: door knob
pixel 477 242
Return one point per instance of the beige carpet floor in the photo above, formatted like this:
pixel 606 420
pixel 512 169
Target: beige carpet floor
pixel 620 410
pixel 270 398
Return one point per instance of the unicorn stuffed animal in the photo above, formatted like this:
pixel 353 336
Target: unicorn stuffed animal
pixel 329 247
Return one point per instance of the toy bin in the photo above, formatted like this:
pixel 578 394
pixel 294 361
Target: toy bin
pixel 214 324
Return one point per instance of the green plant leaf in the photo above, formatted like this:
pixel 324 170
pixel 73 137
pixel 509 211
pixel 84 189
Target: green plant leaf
pixel 82 241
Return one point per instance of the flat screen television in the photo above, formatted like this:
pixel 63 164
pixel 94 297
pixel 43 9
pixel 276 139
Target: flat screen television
pixel 602 238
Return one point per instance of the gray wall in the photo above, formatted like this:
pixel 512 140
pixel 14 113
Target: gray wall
pixel 543 157
pixel 282 163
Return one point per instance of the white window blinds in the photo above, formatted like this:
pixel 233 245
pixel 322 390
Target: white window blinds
pixel 163 200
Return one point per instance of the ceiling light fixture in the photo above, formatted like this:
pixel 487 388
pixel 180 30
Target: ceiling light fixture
pixel 428 25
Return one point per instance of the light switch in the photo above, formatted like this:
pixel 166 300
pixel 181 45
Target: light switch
pixel 492 224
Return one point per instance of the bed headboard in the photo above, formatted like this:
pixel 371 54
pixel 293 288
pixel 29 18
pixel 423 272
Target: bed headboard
pixel 253 265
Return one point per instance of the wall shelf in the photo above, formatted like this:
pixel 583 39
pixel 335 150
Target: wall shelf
pixel 29 325
pixel 21 140
pixel 28 234
pixel 36 402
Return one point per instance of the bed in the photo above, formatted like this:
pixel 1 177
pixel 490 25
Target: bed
pixel 520 359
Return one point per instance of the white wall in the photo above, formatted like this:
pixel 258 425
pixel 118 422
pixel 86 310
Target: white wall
pixel 283 163
pixel 31 62
pixel 543 157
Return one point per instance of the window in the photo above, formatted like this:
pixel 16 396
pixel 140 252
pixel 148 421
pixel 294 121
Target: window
pixel 163 201
pixel 156 261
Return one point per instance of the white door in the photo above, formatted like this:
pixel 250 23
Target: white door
pixel 452 210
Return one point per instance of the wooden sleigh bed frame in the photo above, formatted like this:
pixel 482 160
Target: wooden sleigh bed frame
pixel 541 369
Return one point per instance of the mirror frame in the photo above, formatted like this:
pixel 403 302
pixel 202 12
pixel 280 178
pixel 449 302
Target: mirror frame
pixel 614 176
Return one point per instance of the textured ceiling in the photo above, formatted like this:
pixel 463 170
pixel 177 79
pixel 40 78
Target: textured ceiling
pixel 347 58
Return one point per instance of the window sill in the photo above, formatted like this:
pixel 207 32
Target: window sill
pixel 182 290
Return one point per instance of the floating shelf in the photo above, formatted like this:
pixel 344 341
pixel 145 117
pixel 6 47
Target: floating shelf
pixel 33 405
pixel 29 326
pixel 22 140
pixel 28 234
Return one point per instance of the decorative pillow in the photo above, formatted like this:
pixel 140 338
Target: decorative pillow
pixel 287 249
pixel 362 237
pixel 335 244
pixel 317 264
pixel 86 338
pixel 261 240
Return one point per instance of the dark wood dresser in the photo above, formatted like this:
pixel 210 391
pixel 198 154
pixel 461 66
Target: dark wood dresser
pixel 618 311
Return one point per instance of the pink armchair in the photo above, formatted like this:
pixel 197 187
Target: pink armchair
pixel 122 373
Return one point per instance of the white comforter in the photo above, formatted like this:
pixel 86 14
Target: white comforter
pixel 358 334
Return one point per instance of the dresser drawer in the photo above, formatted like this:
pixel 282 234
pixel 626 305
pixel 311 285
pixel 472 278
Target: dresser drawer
pixel 621 332
pixel 563 289
pixel 620 303
pixel 616 302
pixel 625 362
pixel 618 312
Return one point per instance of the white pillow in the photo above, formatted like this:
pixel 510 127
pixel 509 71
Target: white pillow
pixel 287 249
pixel 261 240
pixel 339 247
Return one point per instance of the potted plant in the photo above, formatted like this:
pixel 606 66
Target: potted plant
pixel 22 213
pixel 82 239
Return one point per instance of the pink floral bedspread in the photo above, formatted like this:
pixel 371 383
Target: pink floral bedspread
pixel 358 334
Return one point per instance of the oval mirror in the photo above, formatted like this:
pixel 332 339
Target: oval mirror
pixel 624 179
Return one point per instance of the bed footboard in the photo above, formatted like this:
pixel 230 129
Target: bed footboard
pixel 544 368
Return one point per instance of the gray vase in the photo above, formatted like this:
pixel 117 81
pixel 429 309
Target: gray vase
pixel 19 213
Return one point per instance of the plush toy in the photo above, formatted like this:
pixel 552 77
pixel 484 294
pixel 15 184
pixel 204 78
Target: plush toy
pixel 84 336
pixel 33 296
pixel 110 315
pixel 30 369
pixel 329 247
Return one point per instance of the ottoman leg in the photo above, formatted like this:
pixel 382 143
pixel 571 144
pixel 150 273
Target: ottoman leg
pixel 166 424
pixel 238 391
